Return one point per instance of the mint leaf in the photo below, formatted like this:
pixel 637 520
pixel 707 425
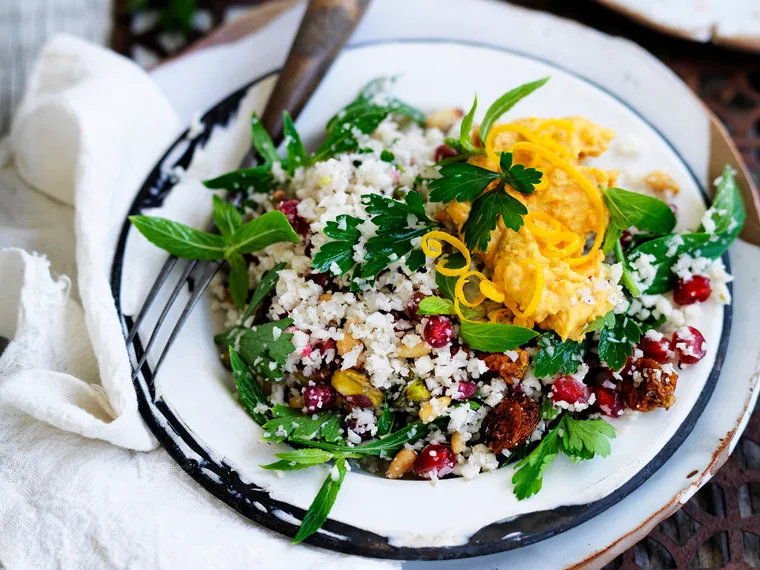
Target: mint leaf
pixel 727 210
pixel 260 347
pixel 517 176
pixel 667 249
pixel 631 209
pixel 505 103
pixel 262 142
pixel 490 337
pixel 343 137
pixel 341 251
pixel 269 228
pixel 266 285
pixel 384 447
pixel 557 356
pixel 251 393
pixel 180 240
pixel 627 278
pixel 375 95
pixel 238 279
pixel 319 510
pixel 299 459
pixel 296 152
pixel 435 306
pixel 226 217
pixel 438 306
pixel 385 421
pixel 616 343
pixel 305 427
pixel 259 179
pixel 465 136
pixel 447 283
pixel 484 216
pixel 528 478
pixel 460 181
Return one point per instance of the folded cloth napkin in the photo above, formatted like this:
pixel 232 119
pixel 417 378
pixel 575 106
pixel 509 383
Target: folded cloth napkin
pixel 82 484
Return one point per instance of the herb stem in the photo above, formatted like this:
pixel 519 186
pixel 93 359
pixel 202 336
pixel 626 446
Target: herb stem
pixel 627 278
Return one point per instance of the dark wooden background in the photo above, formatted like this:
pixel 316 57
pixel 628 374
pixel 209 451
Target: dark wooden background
pixel 720 526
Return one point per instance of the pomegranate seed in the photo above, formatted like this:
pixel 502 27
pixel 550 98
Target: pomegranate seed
pixel 695 290
pixel 434 461
pixel 363 431
pixel 568 389
pixel 290 209
pixel 324 345
pixel 318 397
pixel 690 345
pixel 360 401
pixel 626 238
pixel 320 279
pixel 444 151
pixel 608 401
pixel 656 346
pixel 465 390
pixel 414 304
pixel 438 331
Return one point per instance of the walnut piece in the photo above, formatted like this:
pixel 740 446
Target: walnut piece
pixel 505 367
pixel 511 423
pixel 649 386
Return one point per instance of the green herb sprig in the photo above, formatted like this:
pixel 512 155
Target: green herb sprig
pixel 234 240
pixel 727 214
pixel 616 342
pixel 631 209
pixel 578 439
pixel 265 347
pixel 399 224
pixel 557 355
pixel 464 182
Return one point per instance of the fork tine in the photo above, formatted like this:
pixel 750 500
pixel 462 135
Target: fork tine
pixel 200 287
pixel 160 280
pixel 182 280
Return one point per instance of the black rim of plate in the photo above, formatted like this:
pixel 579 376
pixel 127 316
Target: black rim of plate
pixel 223 482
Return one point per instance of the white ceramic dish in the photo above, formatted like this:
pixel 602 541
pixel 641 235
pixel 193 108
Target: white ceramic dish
pixel 209 426
pixel 734 23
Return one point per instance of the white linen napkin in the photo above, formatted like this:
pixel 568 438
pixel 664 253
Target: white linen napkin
pixel 91 125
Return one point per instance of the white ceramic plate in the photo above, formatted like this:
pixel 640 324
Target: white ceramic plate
pixel 734 23
pixel 192 407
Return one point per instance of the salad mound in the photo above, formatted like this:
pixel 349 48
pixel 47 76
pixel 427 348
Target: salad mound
pixel 425 297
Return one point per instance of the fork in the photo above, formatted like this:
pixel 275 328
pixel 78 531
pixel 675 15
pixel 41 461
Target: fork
pixel 324 30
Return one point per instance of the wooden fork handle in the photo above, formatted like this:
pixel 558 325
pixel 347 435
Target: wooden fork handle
pixel 324 30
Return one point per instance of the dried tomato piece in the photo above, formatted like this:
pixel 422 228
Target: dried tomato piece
pixel 505 367
pixel 511 423
pixel 649 386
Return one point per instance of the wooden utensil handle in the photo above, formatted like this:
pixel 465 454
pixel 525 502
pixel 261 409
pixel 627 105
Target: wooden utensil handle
pixel 325 28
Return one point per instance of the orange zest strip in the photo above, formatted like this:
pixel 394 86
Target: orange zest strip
pixel 584 183
pixel 432 247
pixel 525 133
